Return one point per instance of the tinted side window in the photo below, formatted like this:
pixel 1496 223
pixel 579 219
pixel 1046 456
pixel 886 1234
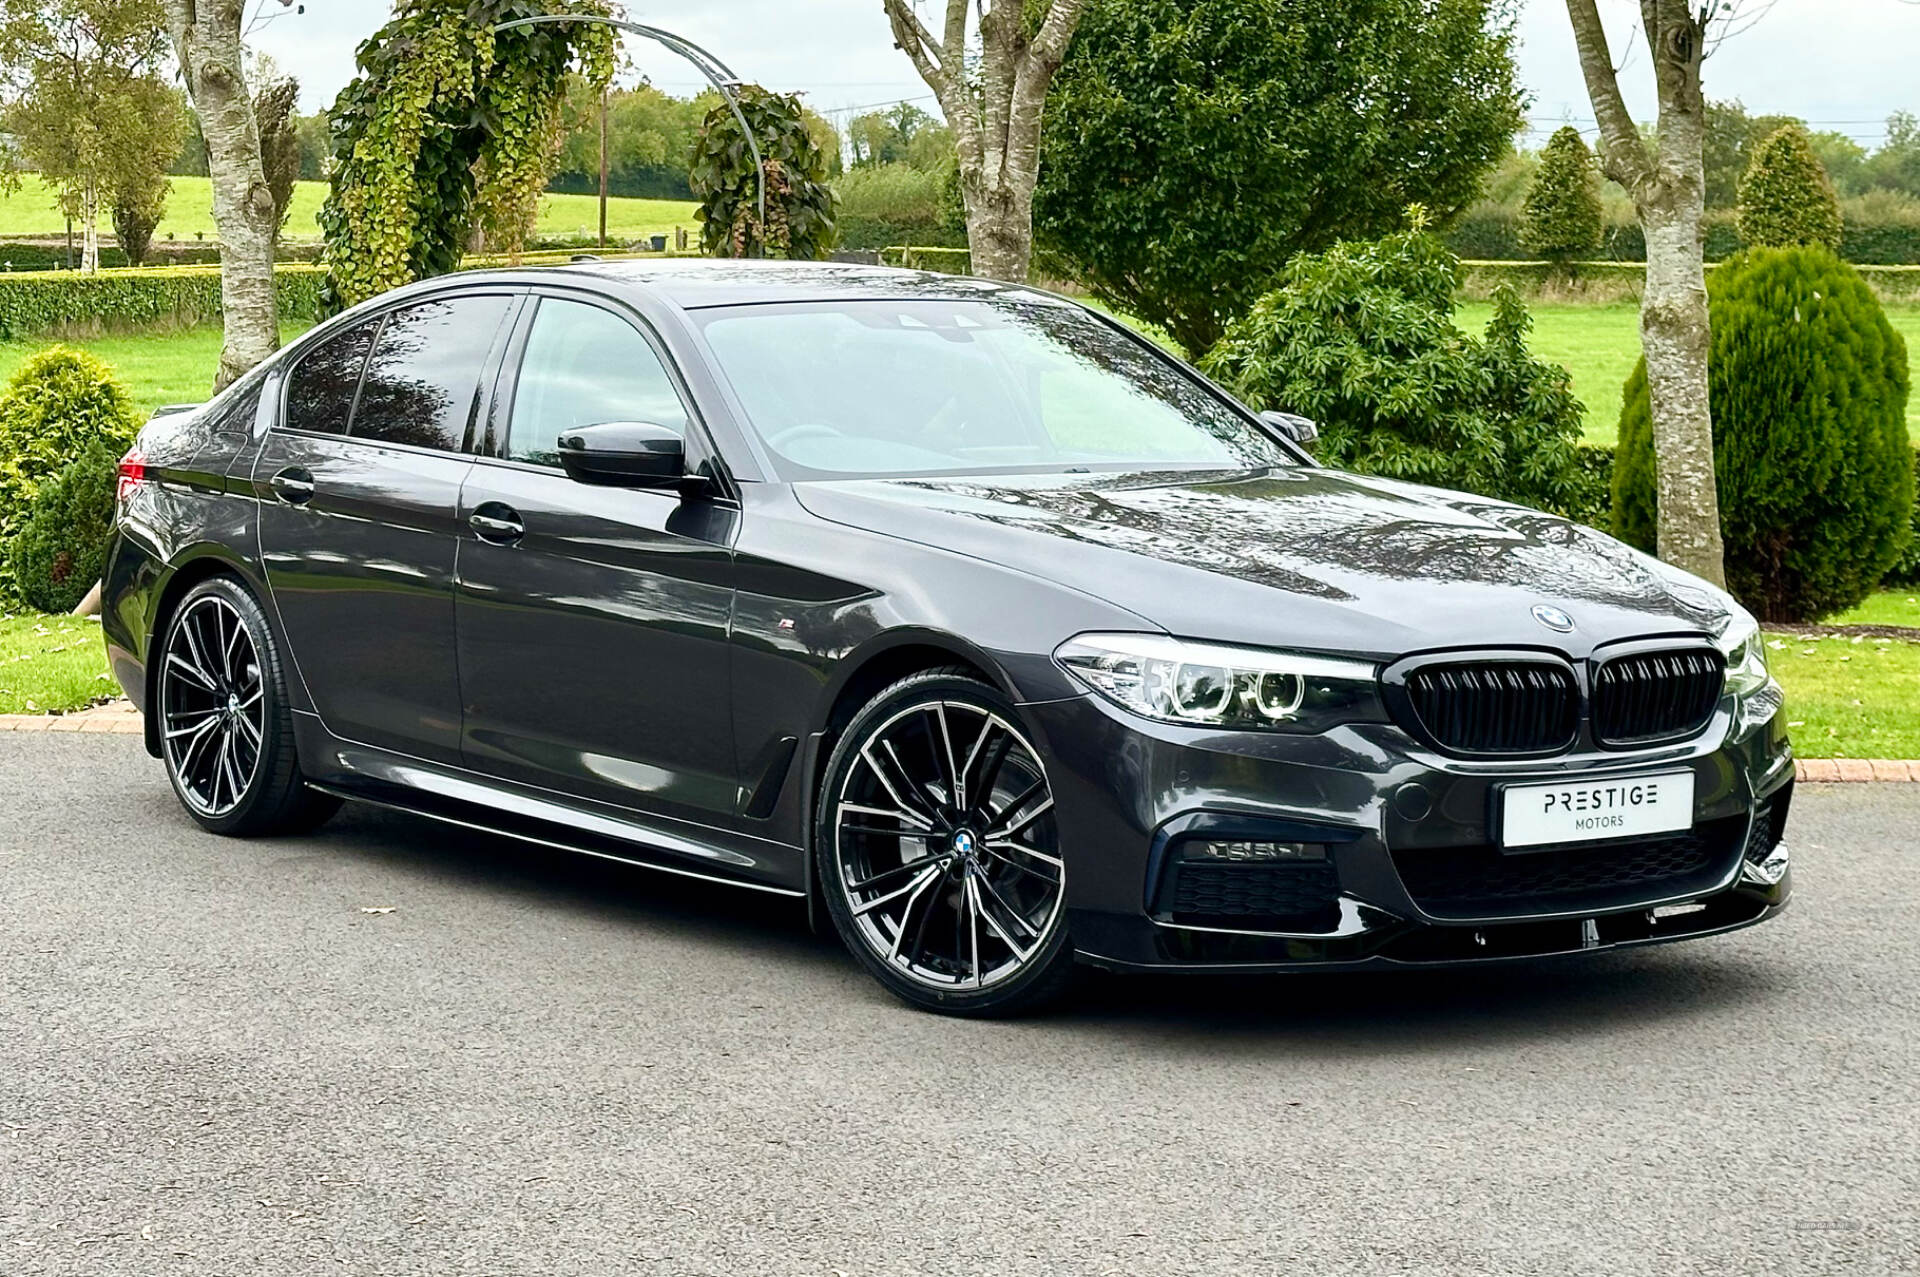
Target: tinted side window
pixel 320 388
pixel 585 366
pixel 425 372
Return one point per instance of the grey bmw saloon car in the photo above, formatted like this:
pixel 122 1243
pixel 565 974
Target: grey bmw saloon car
pixel 998 636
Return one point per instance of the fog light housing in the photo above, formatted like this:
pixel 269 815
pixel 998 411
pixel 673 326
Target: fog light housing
pixel 1245 850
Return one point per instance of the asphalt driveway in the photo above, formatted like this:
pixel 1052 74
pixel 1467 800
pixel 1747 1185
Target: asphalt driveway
pixel 216 1057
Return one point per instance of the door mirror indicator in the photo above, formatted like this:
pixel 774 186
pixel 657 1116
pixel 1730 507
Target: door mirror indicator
pixel 1293 427
pixel 624 454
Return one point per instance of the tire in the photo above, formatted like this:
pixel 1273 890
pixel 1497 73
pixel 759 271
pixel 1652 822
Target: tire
pixel 226 729
pixel 938 853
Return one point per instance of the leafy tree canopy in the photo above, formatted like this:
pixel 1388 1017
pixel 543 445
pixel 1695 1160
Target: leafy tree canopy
pixel 1193 146
pixel 902 134
pixel 85 103
pixel 1732 136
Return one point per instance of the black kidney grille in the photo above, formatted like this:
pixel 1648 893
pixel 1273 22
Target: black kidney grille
pixel 1487 882
pixel 1240 894
pixel 1496 707
pixel 1652 696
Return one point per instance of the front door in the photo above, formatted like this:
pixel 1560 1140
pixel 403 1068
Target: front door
pixel 593 621
pixel 359 487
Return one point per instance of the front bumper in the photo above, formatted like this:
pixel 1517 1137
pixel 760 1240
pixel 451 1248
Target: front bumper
pixel 1412 871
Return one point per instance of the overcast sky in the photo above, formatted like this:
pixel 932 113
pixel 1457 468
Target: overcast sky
pixel 1841 64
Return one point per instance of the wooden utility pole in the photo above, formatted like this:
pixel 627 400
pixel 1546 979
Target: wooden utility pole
pixel 603 168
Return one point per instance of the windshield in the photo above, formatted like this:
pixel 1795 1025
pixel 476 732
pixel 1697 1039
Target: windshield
pixel 1017 382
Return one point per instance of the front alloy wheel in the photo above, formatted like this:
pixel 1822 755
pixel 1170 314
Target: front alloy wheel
pixel 941 854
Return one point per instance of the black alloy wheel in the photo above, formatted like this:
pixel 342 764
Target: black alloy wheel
pixel 940 851
pixel 226 731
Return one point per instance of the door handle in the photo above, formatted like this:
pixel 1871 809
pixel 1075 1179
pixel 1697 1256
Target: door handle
pixel 497 524
pixel 293 485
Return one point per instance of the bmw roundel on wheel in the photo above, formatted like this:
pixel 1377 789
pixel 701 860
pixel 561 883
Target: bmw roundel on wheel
pixel 1004 640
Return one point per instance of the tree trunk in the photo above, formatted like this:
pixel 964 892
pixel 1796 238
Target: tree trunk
pixel 1668 186
pixel 1000 233
pixel 993 104
pixel 206 39
pixel 89 229
pixel 1675 336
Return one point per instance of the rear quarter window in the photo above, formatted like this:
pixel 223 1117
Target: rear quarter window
pixel 321 387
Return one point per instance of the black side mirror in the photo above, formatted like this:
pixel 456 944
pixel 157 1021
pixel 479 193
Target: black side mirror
pixel 624 454
pixel 1292 426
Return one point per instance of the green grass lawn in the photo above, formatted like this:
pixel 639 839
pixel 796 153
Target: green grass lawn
pixel 1850 697
pixel 157 368
pixel 32 210
pixel 1599 345
pixel 51 663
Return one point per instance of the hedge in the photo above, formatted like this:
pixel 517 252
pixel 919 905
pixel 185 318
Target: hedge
pixel 1893 285
pixel 861 234
pixel 48 301
pixel 948 261
pixel 40 254
pixel 1493 234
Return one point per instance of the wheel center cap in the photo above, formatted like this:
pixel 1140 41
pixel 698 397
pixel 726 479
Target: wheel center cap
pixel 233 703
pixel 963 844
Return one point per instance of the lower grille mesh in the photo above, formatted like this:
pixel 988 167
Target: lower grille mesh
pixel 1486 882
pixel 1240 894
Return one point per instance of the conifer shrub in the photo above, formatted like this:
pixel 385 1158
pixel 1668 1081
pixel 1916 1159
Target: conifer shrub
pixel 61 547
pixel 1786 197
pixel 1561 220
pixel 1808 387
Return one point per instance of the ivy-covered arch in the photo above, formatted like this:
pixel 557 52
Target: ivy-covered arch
pixel 449 127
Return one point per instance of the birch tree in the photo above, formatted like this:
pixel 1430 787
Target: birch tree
pixel 82 97
pixel 1668 185
pixel 993 103
pixel 207 42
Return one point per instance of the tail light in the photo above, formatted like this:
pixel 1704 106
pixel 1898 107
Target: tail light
pixel 133 473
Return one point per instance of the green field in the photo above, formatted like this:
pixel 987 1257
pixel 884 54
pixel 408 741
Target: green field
pixel 157 368
pixel 32 210
pixel 1599 345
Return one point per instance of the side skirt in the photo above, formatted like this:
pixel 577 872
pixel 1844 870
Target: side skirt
pixel 422 805
pixel 469 801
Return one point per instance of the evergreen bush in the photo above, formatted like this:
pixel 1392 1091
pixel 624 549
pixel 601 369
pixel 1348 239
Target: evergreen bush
pixel 1561 219
pixel 1362 339
pixel 1786 197
pixel 60 549
pixel 60 404
pixel 1808 385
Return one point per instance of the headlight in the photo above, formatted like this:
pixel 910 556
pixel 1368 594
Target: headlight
pixel 1746 653
pixel 1176 681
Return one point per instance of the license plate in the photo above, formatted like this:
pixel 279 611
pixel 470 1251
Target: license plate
pixel 1585 811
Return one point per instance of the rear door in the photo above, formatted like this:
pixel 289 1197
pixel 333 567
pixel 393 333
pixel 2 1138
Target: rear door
pixel 594 621
pixel 359 487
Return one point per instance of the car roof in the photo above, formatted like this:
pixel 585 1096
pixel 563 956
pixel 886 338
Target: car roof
pixel 693 283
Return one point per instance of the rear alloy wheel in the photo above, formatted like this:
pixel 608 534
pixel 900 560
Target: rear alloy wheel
pixel 226 733
pixel 940 853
